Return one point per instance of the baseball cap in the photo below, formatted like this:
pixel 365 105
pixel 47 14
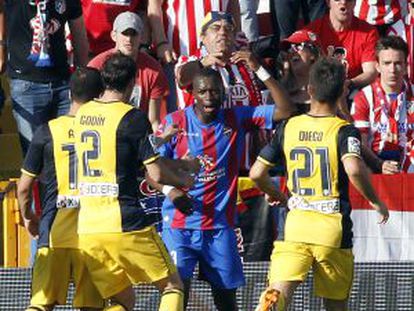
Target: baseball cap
pixel 215 16
pixel 300 36
pixel 128 20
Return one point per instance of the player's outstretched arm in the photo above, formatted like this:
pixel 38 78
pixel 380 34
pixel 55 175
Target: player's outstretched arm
pixel 160 171
pixel 259 173
pixel 24 197
pixel 359 176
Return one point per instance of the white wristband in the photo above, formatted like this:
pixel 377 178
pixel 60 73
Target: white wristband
pixel 263 74
pixel 166 189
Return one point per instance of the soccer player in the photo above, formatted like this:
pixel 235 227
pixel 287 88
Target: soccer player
pixel 112 145
pixel 51 157
pixel 216 137
pixel 320 151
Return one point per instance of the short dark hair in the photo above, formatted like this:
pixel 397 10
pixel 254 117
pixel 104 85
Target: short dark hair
pixel 391 43
pixel 327 77
pixel 208 73
pixel 118 71
pixel 85 84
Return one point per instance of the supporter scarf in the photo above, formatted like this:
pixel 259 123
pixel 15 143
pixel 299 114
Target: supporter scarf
pixel 39 52
pixel 393 115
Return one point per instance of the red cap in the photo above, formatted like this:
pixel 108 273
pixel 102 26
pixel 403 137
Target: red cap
pixel 300 36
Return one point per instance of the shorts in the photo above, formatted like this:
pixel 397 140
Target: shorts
pixel 333 268
pixel 215 250
pixel 52 271
pixel 117 260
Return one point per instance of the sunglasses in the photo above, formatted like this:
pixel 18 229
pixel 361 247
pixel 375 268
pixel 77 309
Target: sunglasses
pixel 297 47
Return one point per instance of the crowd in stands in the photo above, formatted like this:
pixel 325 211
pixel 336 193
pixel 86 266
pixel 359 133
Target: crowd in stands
pixel 186 52
pixel 172 40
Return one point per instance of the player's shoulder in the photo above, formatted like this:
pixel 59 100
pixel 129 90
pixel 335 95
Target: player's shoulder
pixel 147 62
pixel 362 26
pixel 98 61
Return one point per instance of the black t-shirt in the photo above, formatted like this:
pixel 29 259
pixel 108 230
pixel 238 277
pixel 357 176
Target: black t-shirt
pixel 19 13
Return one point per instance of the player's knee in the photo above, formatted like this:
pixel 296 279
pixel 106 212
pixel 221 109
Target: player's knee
pixel 172 299
pixel 225 299
pixel 40 308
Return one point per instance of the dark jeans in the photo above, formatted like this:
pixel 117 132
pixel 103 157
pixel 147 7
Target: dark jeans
pixel 286 13
pixel 35 104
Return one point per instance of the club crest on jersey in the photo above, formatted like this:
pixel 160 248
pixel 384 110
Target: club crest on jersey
pixel 354 145
pixel 206 162
pixel 60 6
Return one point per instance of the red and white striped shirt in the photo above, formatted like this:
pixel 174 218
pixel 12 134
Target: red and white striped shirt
pixel 380 12
pixel 183 20
pixel 405 29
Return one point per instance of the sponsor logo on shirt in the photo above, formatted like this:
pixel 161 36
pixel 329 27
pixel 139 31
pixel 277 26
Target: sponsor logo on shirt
pixel 99 189
pixel 67 201
pixel 60 6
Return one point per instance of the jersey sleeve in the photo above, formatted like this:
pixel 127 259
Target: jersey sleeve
pixel 255 117
pixel 138 130
pixel 360 112
pixel 166 149
pixel 33 162
pixel 349 142
pixel 273 152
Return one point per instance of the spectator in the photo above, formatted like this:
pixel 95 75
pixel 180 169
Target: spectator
pixel 216 137
pixel 383 110
pixel 37 60
pixel 289 11
pixel 302 50
pixel 249 21
pixel 150 82
pixel 322 154
pixel 380 13
pixel 175 31
pixel 99 17
pixel 405 29
pixel 348 39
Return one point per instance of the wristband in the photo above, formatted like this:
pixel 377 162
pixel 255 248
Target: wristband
pixel 166 189
pixel 263 74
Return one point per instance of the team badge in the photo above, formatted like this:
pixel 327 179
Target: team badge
pixel 354 145
pixel 60 6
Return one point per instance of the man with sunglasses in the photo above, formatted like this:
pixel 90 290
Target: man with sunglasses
pixel 239 69
pixel 404 28
pixel 350 40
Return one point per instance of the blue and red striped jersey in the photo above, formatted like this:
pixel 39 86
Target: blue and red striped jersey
pixel 219 146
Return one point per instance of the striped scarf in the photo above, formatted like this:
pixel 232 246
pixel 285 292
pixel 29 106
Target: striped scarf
pixel 39 52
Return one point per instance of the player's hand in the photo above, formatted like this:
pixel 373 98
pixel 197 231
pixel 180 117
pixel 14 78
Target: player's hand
pixel 192 164
pixel 31 223
pixel 182 201
pixel 390 167
pixel 166 54
pixel 170 131
pixel 246 56
pixel 213 59
pixel 382 209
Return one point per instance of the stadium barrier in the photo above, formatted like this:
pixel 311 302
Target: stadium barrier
pixel 378 286
pixel 15 240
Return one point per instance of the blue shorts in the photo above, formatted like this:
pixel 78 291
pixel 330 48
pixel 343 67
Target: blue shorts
pixel 215 251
